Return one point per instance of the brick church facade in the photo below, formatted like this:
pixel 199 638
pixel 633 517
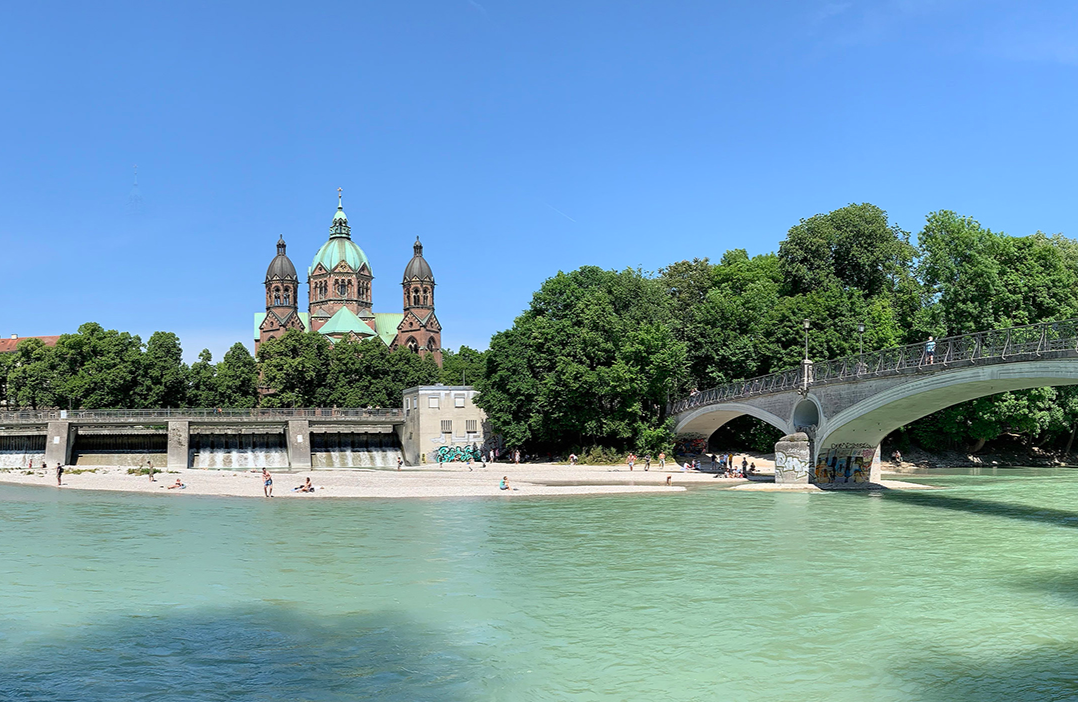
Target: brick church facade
pixel 340 301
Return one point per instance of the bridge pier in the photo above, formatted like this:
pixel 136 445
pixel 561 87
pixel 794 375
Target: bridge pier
pixel 793 458
pixel 179 438
pixel 299 444
pixel 58 443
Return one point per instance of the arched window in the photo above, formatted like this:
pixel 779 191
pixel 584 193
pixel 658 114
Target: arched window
pixel 276 296
pixel 425 293
pixel 415 296
pixel 412 344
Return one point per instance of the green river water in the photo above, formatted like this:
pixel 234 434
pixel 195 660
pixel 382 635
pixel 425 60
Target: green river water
pixel 965 593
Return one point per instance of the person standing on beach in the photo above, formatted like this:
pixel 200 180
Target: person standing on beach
pixel 59 474
pixel 662 459
pixel 630 459
pixel 647 462
pixel 267 483
pixel 399 462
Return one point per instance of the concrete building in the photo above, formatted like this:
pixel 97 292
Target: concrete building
pixel 442 421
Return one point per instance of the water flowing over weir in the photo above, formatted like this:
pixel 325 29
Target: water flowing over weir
pixel 18 451
pixel 238 451
pixel 355 450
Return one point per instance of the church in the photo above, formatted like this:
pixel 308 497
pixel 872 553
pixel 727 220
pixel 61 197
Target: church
pixel 339 299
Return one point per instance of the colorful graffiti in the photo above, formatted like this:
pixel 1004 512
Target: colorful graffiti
pixel 844 463
pixel 445 454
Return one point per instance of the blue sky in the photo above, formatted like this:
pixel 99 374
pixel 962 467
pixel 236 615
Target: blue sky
pixel 517 139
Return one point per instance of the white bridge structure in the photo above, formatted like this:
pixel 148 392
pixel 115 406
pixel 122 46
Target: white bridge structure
pixel 843 408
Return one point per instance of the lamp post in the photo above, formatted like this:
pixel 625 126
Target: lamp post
pixel 806 365
pixel 861 331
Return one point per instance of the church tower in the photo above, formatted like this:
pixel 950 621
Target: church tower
pixel 282 307
pixel 419 330
pixel 340 279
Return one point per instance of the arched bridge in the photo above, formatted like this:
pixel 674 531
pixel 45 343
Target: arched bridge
pixel 847 406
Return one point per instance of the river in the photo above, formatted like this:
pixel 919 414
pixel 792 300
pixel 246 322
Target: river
pixel 965 593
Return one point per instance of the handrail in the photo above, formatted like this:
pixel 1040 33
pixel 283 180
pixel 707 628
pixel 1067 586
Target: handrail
pixel 994 346
pixel 257 413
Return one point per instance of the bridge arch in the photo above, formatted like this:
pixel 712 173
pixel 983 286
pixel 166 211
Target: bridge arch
pixel 709 418
pixel 871 419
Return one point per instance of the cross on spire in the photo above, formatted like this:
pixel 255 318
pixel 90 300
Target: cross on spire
pixel 339 205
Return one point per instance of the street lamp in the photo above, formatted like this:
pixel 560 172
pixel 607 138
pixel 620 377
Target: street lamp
pixel 807 324
pixel 861 331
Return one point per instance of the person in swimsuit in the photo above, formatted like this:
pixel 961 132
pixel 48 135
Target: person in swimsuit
pixel 267 483
pixel 59 474
pixel 305 487
pixel 504 484
pixel 176 485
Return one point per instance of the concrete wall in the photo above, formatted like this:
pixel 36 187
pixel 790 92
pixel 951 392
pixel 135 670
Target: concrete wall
pixel 58 443
pixel 426 407
pixel 299 444
pixel 179 440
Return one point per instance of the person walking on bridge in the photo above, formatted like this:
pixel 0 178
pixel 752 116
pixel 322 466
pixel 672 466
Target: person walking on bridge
pixel 930 350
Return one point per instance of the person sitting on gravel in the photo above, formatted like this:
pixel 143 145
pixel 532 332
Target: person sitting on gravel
pixel 504 484
pixel 178 484
pixel 305 487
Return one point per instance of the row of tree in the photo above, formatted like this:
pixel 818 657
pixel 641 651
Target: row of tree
pixel 598 353
pixel 99 368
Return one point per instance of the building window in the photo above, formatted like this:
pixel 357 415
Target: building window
pixel 432 402
pixel 458 401
pixel 447 426
pixel 407 403
pixel 472 425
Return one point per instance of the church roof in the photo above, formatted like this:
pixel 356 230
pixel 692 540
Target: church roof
pixel 387 323
pixel 261 316
pixel 281 266
pixel 418 266
pixel 345 321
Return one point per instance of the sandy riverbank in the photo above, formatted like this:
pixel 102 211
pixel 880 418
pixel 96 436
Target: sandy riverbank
pixel 452 480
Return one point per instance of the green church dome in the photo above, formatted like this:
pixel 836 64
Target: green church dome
pixel 340 246
pixel 336 250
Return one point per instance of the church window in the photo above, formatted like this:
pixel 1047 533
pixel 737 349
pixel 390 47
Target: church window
pixel 412 344
pixel 287 297
pixel 276 296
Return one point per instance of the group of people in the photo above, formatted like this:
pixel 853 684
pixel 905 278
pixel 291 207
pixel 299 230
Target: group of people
pixel 726 466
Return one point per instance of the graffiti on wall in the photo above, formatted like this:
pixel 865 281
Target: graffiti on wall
pixel 844 463
pixel 445 454
pixel 790 468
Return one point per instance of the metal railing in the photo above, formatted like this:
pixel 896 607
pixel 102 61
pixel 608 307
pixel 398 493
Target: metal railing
pixel 256 414
pixel 1042 340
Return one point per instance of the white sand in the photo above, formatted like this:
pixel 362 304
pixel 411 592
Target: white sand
pixel 452 480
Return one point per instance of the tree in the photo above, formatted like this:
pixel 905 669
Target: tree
pixel 294 369
pixel 854 247
pixel 236 379
pixel 367 374
pixel 592 362
pixel 203 381
pixel 163 378
pixel 465 366
pixel 96 369
pixel 31 375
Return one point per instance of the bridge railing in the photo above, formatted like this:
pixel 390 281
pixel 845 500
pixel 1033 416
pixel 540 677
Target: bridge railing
pixel 259 413
pixel 988 347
